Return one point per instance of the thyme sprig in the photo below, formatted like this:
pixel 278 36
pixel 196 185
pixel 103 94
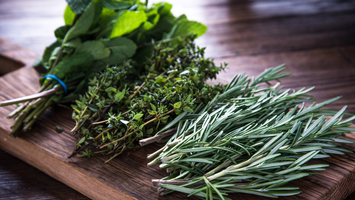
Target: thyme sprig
pixel 129 102
pixel 250 140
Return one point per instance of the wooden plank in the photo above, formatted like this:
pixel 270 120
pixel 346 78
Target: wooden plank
pixel 13 57
pixel 47 150
pixel 18 180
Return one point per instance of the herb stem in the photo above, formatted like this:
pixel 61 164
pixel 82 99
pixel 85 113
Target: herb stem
pixel 57 59
pixel 99 135
pixel 157 138
pixel 17 110
pixel 30 97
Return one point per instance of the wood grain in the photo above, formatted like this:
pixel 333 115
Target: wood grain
pixel 315 38
pixel 47 150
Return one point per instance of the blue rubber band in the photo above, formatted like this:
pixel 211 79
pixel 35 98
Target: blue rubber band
pixel 59 81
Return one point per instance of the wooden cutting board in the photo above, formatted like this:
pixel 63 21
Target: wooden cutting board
pixel 126 177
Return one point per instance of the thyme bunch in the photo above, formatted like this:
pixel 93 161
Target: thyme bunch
pixel 129 102
pixel 250 140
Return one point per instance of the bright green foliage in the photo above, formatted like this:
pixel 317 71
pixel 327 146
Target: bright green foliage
pixel 130 102
pixel 127 22
pixel 98 34
pixel 69 16
pixel 250 140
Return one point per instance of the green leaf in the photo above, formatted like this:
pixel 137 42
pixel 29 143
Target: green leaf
pixel 75 43
pixel 111 89
pixel 160 79
pixel 153 19
pixel 177 105
pixel 186 28
pixel 69 16
pixel 163 8
pixel 118 4
pixel 48 51
pixel 82 140
pixel 77 63
pixel 127 22
pixel 138 116
pixel 94 108
pixel 188 109
pixel 121 49
pixel 119 96
pixel 153 107
pixel 84 22
pixel 96 48
pixel 61 31
pixel 78 6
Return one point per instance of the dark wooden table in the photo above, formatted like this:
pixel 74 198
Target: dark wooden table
pixel 315 38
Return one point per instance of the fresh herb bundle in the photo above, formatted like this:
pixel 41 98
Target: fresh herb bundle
pixel 250 140
pixel 122 106
pixel 97 34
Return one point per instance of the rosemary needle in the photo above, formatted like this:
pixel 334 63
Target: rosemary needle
pixel 250 140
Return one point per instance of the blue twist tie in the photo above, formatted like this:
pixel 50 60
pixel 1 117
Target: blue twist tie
pixel 59 81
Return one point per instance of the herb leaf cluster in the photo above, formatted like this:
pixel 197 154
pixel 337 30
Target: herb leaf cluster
pixel 250 140
pixel 97 34
pixel 123 105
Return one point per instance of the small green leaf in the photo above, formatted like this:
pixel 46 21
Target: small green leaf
pixel 141 127
pixel 48 51
pixel 152 112
pixel 188 109
pixel 153 107
pixel 69 16
pixel 138 116
pixel 82 140
pixel 160 79
pixel 93 108
pixel 177 105
pixel 61 31
pixel 119 96
pixel 111 89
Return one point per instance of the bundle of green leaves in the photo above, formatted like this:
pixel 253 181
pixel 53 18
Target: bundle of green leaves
pixel 122 106
pixel 250 140
pixel 97 34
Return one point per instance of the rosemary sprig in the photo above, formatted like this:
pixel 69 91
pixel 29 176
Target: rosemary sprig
pixel 250 140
